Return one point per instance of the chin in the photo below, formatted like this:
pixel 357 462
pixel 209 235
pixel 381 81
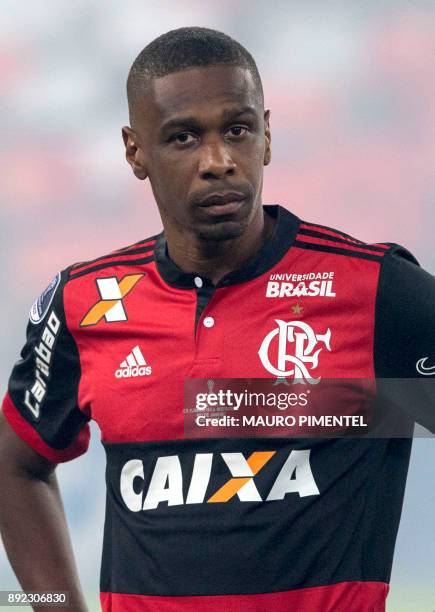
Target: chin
pixel 222 227
pixel 226 230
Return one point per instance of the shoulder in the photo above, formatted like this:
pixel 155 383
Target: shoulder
pixel 314 236
pixel 107 277
pixel 132 255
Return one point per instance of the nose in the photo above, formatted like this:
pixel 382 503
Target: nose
pixel 216 161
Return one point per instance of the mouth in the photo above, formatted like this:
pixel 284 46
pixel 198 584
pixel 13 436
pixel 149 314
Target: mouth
pixel 229 208
pixel 223 203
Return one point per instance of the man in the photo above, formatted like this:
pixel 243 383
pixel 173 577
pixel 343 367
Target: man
pixel 215 523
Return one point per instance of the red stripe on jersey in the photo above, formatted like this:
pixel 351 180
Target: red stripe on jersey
pixel 341 597
pixel 331 232
pixel 26 432
pixel 138 245
pixel 114 255
pixel 118 258
pixel 347 247
pixel 340 235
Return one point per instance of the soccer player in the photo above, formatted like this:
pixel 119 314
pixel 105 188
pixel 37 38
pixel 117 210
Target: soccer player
pixel 229 289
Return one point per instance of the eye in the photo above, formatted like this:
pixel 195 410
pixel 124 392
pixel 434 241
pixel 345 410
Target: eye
pixel 237 130
pixel 183 138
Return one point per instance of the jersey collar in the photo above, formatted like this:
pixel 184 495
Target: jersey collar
pixel 285 230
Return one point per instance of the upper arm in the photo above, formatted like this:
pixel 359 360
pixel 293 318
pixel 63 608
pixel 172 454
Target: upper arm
pixel 405 335
pixel 42 402
pixel 17 456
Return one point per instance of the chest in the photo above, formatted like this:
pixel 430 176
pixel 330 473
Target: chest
pixel 315 322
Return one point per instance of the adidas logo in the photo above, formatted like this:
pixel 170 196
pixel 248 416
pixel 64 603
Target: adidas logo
pixel 133 365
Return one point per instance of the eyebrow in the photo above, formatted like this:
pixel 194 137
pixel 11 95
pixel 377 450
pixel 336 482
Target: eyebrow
pixel 192 122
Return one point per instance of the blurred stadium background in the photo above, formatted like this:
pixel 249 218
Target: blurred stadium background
pixel 351 86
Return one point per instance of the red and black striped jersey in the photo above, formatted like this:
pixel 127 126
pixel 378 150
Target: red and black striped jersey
pixel 232 523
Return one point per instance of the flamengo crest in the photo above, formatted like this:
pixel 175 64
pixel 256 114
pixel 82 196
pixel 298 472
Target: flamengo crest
pixel 297 342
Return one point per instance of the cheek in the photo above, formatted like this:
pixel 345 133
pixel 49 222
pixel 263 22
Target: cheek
pixel 171 175
pixel 172 186
pixel 255 147
pixel 252 162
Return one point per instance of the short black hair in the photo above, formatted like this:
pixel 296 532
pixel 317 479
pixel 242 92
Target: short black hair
pixel 186 48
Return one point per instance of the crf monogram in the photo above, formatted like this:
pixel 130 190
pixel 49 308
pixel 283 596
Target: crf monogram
pixel 304 340
pixel 167 480
pixel 112 293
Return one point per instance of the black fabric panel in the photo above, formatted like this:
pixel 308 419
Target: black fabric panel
pixel 59 420
pixel 404 334
pixel 345 533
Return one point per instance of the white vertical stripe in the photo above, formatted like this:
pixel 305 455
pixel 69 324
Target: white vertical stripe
pixel 131 361
pixel 139 357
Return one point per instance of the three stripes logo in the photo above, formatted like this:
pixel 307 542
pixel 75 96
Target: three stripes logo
pixel 133 365
pixel 112 293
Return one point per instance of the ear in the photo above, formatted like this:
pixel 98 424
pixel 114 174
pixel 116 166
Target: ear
pixel 267 138
pixel 133 153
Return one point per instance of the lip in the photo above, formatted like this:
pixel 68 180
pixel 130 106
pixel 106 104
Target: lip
pixel 229 208
pixel 224 203
pixel 223 198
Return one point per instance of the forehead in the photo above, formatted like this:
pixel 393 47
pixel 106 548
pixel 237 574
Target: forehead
pixel 197 90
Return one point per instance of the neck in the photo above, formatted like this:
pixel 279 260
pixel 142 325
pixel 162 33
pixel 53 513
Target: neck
pixel 216 259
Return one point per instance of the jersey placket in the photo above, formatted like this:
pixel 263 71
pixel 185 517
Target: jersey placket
pixel 208 332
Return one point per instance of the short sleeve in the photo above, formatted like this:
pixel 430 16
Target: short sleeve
pixel 404 346
pixel 41 403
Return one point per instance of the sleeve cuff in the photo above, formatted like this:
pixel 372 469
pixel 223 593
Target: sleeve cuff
pixel 31 437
